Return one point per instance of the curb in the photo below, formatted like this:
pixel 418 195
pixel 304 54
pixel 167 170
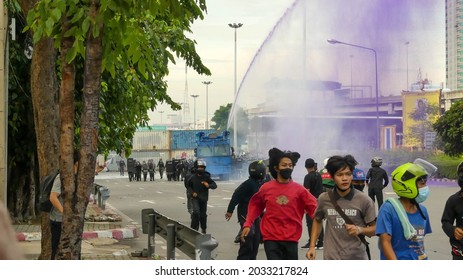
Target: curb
pixel 119 234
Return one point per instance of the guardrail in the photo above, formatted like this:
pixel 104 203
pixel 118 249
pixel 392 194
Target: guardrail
pixel 191 242
pixel 101 194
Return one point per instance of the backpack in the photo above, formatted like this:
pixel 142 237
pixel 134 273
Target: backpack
pixel 45 189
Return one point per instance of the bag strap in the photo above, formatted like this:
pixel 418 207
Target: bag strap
pixel 348 221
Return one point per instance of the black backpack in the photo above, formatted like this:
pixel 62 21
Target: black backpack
pixel 45 189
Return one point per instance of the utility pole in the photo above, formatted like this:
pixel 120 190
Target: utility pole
pixel 207 83
pixel 3 101
pixel 235 137
pixel 194 98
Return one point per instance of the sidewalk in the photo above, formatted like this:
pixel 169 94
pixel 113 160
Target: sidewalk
pixel 104 230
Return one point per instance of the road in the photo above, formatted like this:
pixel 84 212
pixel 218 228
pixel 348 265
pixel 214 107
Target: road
pixel 169 199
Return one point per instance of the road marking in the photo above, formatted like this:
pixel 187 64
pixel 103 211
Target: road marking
pixel 148 201
pixel 159 192
pixel 180 197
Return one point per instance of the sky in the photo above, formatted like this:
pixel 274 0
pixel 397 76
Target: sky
pixel 215 45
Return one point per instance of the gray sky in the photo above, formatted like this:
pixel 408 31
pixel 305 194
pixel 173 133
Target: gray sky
pixel 215 45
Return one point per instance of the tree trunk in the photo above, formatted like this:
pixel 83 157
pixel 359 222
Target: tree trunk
pixel 76 199
pixel 44 87
pixel 67 173
pixel 44 91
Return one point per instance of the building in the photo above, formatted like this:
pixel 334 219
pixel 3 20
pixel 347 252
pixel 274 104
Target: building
pixel 454 43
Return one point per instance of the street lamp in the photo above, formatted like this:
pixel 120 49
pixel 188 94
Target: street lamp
pixel 407 43
pixel 161 112
pixel 194 97
pixel 351 79
pixel 235 138
pixel 333 41
pixel 207 83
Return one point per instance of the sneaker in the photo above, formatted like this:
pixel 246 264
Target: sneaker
pixel 306 245
pixel 237 239
pixel 203 231
pixel 319 247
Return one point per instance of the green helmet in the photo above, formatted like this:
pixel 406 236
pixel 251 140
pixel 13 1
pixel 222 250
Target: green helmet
pixel 404 179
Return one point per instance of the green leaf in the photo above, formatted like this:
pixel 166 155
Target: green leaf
pixel 56 15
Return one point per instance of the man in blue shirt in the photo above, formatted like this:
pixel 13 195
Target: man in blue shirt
pixel 403 222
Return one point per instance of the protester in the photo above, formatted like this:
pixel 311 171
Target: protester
pixel 285 202
pixel 452 218
pixel 376 180
pixel 358 179
pixel 327 181
pixel 241 196
pixel 403 222
pixel 344 234
pixel 313 182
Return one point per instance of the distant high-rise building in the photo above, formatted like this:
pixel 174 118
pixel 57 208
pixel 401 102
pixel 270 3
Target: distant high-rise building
pixel 454 44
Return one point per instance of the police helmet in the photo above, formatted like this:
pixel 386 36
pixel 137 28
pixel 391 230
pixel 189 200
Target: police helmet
pixel 199 163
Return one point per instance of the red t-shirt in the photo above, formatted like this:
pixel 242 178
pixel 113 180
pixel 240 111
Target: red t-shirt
pixel 285 205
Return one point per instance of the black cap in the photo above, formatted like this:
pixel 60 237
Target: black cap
pixel 309 163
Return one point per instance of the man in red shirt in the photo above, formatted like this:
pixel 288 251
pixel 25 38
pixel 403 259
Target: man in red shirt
pixel 285 203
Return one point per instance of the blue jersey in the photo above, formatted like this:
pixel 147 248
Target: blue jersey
pixel 388 222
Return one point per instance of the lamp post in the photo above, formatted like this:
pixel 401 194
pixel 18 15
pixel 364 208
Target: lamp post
pixel 333 41
pixel 235 137
pixel 194 114
pixel 207 83
pixel 161 112
pixel 351 79
pixel 407 43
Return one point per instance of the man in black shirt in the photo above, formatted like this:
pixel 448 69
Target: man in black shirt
pixel 313 183
pixel 452 218
pixel 376 180
pixel 241 196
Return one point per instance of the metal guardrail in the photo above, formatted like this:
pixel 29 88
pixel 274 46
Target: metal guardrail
pixel 191 242
pixel 101 194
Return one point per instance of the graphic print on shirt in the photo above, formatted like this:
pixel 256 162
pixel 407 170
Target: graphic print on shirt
pixel 282 200
pixel 418 243
pixel 339 220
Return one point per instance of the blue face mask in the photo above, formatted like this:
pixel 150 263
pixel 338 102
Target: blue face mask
pixel 422 195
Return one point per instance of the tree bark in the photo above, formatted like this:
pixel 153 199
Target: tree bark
pixel 44 88
pixel 67 173
pixel 76 199
pixel 44 91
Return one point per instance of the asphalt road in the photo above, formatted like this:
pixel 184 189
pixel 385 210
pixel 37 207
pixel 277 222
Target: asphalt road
pixel 169 199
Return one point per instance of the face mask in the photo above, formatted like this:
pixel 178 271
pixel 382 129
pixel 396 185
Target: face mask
pixel 422 195
pixel 286 173
pixel 200 171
